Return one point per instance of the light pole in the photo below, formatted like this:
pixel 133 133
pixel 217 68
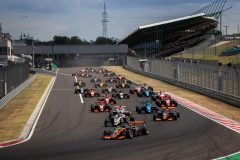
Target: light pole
pixel 33 56
pixel 238 28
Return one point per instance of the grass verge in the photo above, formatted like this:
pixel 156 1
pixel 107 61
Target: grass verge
pixel 16 113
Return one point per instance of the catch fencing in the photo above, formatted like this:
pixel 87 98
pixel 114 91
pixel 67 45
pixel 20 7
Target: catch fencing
pixel 210 79
pixel 12 76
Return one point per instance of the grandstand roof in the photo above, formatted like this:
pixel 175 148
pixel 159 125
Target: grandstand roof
pixel 172 25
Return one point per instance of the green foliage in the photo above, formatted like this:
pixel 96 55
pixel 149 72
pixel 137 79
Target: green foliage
pixel 76 40
pixel 103 40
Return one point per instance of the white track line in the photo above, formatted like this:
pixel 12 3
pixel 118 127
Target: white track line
pixel 35 124
pixel 80 95
pixel 66 74
pixel 227 155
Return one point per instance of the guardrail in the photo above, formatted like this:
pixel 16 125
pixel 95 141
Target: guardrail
pixel 233 100
pixel 14 92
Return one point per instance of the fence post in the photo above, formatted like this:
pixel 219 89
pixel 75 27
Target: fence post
pixel 5 81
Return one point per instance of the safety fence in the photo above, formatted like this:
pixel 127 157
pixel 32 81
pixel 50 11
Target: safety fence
pixel 12 76
pixel 219 82
pixel 14 92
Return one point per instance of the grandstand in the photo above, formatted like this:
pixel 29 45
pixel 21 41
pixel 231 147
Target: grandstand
pixel 168 37
pixel 222 51
pixel 194 35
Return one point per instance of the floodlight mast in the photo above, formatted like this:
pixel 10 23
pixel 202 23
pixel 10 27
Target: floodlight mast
pixel 104 21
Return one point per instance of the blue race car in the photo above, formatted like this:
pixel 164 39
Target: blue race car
pixel 146 107
pixel 145 92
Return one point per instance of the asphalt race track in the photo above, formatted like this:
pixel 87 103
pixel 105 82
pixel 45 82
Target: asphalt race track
pixel 67 130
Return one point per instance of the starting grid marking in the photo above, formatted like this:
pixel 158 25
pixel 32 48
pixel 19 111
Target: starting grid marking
pixel 220 119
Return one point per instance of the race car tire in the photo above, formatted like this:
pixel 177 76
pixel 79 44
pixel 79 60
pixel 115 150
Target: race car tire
pixel 178 115
pixel 126 96
pixel 139 111
pixel 129 134
pixel 154 117
pixel 137 108
pixel 76 91
pixel 132 118
pixel 92 108
pixel 106 122
pixel 145 131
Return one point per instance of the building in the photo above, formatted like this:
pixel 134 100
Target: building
pixel 5 47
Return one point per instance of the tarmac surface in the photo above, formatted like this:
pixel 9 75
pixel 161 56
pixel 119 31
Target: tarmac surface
pixel 67 130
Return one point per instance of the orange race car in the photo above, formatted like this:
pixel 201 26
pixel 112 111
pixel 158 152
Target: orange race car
pixel 126 131
pixel 100 84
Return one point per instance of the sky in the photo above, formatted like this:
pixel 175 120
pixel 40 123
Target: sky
pixel 43 19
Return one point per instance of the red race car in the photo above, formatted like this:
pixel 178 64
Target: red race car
pixel 100 106
pixel 135 90
pixel 167 103
pixel 159 95
pixel 111 80
pixel 91 93
pixel 108 99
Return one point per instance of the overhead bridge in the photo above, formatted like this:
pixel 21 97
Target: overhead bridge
pixel 76 55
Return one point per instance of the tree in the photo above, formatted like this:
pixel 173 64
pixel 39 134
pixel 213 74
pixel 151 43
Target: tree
pixel 61 40
pixel 103 40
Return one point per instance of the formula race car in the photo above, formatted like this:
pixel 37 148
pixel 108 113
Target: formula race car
pixel 165 114
pixel 79 83
pixel 79 72
pixel 122 85
pixel 75 74
pixel 108 74
pixel 159 95
pixel 115 118
pixel 166 103
pixel 120 77
pixel 100 84
pixel 100 71
pixel 135 90
pixel 145 92
pixel 80 90
pixel 91 93
pixel 109 90
pixel 91 70
pixel 147 107
pixel 125 131
pixel 107 99
pixel 120 109
pixel 148 87
pixel 111 80
pixel 95 80
pixel 100 106
pixel 85 75
pixel 121 95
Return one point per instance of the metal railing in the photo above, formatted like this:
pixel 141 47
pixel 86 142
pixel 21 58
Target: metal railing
pixel 12 75
pixel 14 92
pixel 219 82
